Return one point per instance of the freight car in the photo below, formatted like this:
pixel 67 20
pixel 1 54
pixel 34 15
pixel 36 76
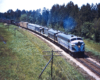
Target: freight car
pixel 23 24
pixel 8 21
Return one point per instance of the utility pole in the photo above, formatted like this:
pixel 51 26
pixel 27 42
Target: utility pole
pixel 51 60
pixel 15 31
pixel 52 64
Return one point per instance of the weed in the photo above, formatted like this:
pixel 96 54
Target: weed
pixel 93 47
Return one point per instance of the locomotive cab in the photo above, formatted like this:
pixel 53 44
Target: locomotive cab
pixel 74 44
pixel 77 45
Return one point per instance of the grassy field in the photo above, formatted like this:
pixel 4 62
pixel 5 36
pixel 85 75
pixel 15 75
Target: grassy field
pixel 93 47
pixel 21 58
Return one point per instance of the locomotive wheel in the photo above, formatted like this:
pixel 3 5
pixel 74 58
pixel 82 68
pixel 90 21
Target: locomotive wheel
pixel 71 54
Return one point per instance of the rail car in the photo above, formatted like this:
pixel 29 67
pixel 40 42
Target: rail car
pixel 8 21
pixel 23 24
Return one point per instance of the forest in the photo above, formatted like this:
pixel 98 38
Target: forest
pixel 82 21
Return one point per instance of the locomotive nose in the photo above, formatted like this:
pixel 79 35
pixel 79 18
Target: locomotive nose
pixel 79 44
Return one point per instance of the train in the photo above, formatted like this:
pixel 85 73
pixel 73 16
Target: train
pixel 73 44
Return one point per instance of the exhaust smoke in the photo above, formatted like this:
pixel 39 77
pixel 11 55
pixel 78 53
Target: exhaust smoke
pixel 69 24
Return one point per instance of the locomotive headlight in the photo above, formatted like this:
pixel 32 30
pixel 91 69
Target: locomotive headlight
pixel 79 46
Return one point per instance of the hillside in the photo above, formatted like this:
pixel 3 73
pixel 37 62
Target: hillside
pixel 21 57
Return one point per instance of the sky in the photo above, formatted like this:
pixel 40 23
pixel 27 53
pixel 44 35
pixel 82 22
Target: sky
pixel 5 5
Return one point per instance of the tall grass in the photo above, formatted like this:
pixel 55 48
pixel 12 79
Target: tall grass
pixel 92 47
pixel 22 58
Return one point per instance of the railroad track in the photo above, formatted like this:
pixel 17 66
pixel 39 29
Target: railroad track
pixel 90 65
pixel 95 68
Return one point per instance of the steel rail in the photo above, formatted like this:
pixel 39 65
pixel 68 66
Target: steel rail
pixel 88 66
pixel 64 50
pixel 92 63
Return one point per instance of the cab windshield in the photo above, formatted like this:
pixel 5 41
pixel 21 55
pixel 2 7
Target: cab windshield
pixel 73 39
pixel 79 38
pixel 76 39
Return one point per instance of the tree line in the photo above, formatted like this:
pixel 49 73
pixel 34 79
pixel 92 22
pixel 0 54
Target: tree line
pixel 69 18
